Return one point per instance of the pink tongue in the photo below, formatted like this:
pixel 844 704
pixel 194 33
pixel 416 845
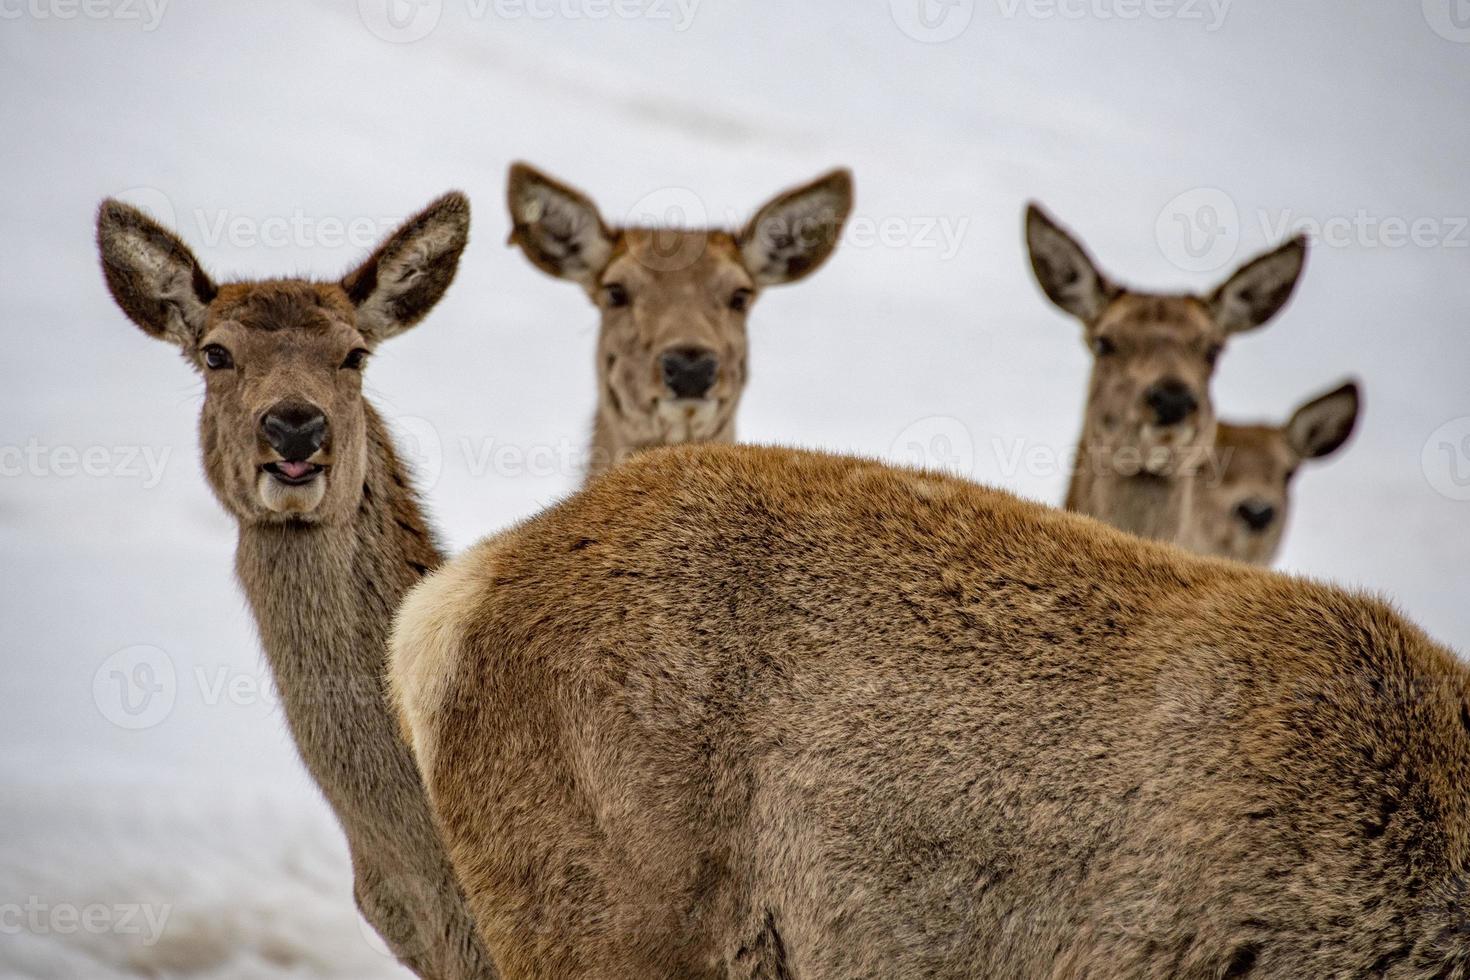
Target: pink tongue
pixel 294 470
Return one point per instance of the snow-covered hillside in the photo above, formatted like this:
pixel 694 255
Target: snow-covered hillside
pixel 177 836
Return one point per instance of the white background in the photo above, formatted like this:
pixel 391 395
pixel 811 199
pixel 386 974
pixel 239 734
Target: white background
pixel 234 122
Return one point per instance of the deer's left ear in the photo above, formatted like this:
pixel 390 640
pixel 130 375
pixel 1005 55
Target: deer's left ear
pixel 794 233
pixel 402 280
pixel 1322 425
pixel 1259 290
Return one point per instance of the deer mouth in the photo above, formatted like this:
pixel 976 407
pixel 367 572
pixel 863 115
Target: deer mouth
pixel 688 419
pixel 293 474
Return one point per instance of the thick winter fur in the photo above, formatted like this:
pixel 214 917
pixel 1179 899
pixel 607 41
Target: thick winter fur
pixel 1253 467
pixel 1129 471
pixel 668 289
pixel 747 712
pixel 323 565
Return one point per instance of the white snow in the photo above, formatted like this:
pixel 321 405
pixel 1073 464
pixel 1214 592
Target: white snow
pixel 252 128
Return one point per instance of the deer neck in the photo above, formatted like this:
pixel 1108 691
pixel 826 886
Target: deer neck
pixel 323 596
pixel 1149 505
pixel 614 439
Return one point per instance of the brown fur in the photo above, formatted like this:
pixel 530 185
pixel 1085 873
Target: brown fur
pixel 684 289
pixel 1130 472
pixel 747 712
pixel 1256 464
pixel 323 565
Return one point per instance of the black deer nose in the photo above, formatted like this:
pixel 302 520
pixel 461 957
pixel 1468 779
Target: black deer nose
pixel 1172 401
pixel 689 371
pixel 1257 514
pixel 296 430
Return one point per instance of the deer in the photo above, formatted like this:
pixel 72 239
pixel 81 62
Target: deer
pixel 672 351
pixel 738 711
pixel 1149 421
pixel 331 533
pixel 1240 510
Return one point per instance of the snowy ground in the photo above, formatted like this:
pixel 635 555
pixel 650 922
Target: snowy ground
pixel 182 839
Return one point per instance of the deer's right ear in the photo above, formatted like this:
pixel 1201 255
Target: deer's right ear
pixel 152 275
pixel 408 273
pixel 1063 268
pixel 557 226
pixel 1322 425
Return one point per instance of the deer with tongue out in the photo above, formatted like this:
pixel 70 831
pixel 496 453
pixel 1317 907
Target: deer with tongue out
pixel 331 534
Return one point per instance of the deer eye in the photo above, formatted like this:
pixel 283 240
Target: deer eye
pixel 355 359
pixel 216 358
pixel 615 294
pixel 740 300
pixel 1104 347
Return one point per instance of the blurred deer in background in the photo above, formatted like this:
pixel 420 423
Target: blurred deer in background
pixel 1149 419
pixel 671 352
pixel 761 713
pixel 1242 500
pixel 331 534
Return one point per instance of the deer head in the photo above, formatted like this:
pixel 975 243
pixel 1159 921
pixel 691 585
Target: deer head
pixel 1148 399
pixel 1240 511
pixel 671 361
pixel 283 425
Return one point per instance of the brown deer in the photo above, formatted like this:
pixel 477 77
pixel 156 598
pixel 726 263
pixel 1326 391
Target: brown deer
pixel 745 712
pixel 671 352
pixel 1149 421
pixel 331 534
pixel 1239 510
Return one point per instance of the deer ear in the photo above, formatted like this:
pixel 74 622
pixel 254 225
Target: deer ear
pixel 408 273
pixel 557 226
pixel 152 274
pixel 795 232
pixel 1065 271
pixel 1260 289
pixel 1322 425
